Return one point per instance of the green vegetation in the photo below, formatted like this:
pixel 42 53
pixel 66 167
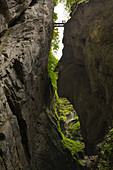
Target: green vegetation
pixel 57 114
pixel 62 108
pixel 106 156
pixel 74 129
pixel 73 146
pixel 52 62
pixel 69 3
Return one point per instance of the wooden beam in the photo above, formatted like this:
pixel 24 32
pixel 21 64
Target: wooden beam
pixel 58 24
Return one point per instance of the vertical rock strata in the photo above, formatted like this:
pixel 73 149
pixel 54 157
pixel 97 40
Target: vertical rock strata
pixel 25 36
pixel 29 140
pixel 86 68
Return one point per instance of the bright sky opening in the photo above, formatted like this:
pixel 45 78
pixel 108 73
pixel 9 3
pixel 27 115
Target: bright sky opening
pixel 62 15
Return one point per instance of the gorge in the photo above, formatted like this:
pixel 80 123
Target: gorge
pixel 29 135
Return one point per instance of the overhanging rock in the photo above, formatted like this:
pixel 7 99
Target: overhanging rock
pixel 86 68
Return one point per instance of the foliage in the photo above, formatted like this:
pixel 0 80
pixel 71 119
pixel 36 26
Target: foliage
pixel 69 3
pixel 55 2
pixel 73 146
pixel 74 128
pixel 55 41
pixel 55 17
pixel 106 157
pixel 62 108
pixel 52 62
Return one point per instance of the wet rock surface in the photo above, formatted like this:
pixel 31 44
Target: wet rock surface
pixel 85 69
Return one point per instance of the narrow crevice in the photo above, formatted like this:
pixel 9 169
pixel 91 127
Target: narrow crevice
pixel 2 136
pixel 16 20
pixel 11 24
pixel 33 2
pixel 2 33
pixel 23 131
pixel 19 70
pixel 4 8
pixel 15 106
pixel 15 85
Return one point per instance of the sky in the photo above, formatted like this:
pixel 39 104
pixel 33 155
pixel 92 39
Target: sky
pixel 62 15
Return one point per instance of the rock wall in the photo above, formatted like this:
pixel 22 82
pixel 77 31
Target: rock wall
pixel 86 68
pixel 26 33
pixel 29 139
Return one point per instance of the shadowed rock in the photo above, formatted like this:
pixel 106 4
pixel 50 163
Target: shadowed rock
pixel 28 138
pixel 86 68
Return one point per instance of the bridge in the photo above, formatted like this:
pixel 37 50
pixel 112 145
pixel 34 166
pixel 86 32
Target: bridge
pixel 59 24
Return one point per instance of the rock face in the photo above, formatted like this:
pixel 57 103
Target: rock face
pixel 28 139
pixel 86 68
pixel 26 33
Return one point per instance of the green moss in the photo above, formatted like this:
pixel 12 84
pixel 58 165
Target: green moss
pixel 73 146
pixel 75 127
pixel 62 107
pixel 106 156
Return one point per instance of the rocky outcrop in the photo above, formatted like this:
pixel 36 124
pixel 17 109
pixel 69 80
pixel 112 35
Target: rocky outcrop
pixel 26 33
pixel 29 139
pixel 86 68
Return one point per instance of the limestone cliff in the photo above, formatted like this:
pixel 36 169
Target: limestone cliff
pixel 28 139
pixel 26 33
pixel 86 68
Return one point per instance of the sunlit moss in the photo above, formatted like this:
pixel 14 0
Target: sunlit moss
pixel 63 107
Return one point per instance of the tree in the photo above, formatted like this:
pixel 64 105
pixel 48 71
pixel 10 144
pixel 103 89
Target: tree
pixel 69 3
